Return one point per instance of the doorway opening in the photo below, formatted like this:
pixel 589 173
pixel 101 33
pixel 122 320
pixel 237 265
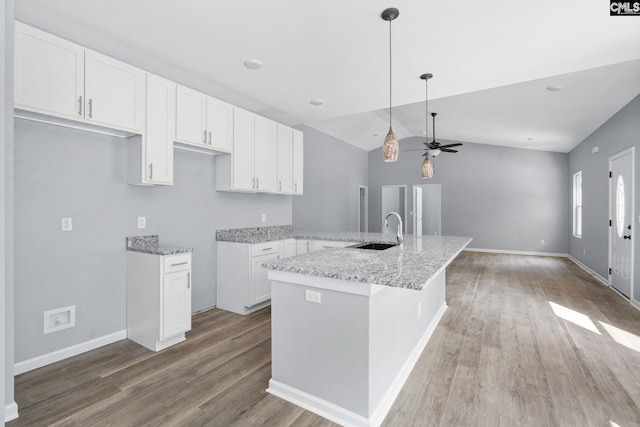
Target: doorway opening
pixel 394 199
pixel 363 209
pixel 427 209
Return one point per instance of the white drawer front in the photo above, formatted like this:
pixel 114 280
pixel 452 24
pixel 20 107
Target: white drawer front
pixel 265 248
pixel 176 262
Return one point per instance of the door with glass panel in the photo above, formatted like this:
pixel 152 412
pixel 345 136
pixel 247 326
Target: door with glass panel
pixel 621 221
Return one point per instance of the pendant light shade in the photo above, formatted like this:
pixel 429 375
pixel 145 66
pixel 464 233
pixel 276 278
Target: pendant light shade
pixel 427 168
pixel 390 146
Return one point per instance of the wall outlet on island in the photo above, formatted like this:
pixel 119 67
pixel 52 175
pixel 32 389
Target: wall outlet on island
pixel 312 296
pixel 264 217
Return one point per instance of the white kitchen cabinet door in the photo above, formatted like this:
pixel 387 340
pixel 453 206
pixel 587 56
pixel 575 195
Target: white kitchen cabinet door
pixel 303 246
pixel 290 248
pixel 242 158
pixel 191 116
pixel 298 162
pixel 160 123
pixel 264 154
pixel 285 158
pixel 49 74
pixel 219 125
pixel 260 284
pixel 114 92
pixel 176 304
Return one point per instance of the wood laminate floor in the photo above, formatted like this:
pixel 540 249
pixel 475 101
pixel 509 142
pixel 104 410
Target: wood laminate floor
pixel 526 341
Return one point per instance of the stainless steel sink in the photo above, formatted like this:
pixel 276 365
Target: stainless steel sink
pixel 373 246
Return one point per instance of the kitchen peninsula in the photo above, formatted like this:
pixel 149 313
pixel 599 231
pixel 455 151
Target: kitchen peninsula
pixel 349 324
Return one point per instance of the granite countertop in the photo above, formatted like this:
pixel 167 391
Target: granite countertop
pixel 410 265
pixel 151 245
pixel 282 232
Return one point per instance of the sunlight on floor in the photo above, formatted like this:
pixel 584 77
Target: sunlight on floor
pixel 623 337
pixel 613 424
pixel 574 317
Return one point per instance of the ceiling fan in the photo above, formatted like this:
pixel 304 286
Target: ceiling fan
pixel 434 148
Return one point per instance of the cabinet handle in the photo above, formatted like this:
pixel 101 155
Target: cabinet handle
pixel 267 249
pixel 80 105
pixel 307 246
pixel 253 183
pixel 90 108
pixel 295 186
pixel 179 263
pixel 151 171
pixel 258 183
pixel 204 136
pixel 279 185
pixel 189 280
pixel 209 137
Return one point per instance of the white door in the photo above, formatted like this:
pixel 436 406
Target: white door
pixel 621 216
pixel 176 303
pixel 158 139
pixel 417 210
pixel 265 154
pixel 243 177
pixel 191 119
pixel 114 92
pixel 219 125
pixel 49 73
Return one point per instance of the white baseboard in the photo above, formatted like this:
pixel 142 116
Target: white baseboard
pixel 345 417
pixel 595 275
pixel 10 412
pixel 65 353
pixel 635 303
pixel 510 252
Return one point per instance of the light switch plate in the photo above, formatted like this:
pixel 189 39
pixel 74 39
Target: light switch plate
pixel 264 217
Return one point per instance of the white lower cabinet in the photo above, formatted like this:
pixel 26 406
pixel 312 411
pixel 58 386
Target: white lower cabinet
pixel 303 246
pixel 243 286
pixel 290 248
pixel 323 244
pixel 158 299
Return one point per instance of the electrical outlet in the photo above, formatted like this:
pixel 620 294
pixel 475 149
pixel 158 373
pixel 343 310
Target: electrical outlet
pixel 542 241
pixel 142 222
pixel 60 318
pixel 312 296
pixel 264 217
pixel 67 224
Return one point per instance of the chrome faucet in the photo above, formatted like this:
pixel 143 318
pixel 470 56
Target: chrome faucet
pixel 386 223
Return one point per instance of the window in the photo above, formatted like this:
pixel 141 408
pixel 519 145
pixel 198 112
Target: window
pixel 577 204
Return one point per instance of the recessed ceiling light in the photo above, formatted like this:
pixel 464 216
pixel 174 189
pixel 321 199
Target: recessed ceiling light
pixel 555 88
pixel 317 101
pixel 253 64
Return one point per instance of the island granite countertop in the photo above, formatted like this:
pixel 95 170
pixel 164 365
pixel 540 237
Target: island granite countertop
pixel 410 265
pixel 151 245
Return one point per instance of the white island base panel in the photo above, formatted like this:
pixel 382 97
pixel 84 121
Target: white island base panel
pixel 347 357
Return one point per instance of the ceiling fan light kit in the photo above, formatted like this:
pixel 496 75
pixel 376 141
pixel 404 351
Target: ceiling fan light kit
pixel 390 146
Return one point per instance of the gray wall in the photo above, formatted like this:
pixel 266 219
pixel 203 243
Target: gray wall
pixel 333 172
pixel 6 206
pixel 505 198
pixel 617 134
pixel 61 172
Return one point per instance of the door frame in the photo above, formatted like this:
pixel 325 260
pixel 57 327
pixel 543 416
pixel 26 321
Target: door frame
pixel 630 150
pixel 366 208
pixel 415 217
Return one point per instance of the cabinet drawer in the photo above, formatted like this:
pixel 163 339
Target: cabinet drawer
pixel 265 248
pixel 176 263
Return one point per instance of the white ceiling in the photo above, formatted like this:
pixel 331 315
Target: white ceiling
pixel 491 61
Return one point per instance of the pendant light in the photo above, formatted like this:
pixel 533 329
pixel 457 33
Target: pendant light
pixel 390 146
pixel 427 164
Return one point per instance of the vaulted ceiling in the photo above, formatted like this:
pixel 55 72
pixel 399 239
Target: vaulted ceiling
pixel 492 61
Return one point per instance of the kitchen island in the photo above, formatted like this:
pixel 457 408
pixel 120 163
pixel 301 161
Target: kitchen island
pixel 348 325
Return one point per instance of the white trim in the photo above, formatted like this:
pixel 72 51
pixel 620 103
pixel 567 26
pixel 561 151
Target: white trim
pixel 511 252
pixel 10 411
pixel 595 275
pixel 65 353
pixel 635 304
pixel 366 208
pixel 345 417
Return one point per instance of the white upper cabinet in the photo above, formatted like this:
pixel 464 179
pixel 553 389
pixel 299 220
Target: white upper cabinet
pixel 242 158
pixel 203 121
pixel 265 154
pixel 285 158
pixel 114 92
pixel 150 155
pixel 61 79
pixel 49 73
pixel 298 162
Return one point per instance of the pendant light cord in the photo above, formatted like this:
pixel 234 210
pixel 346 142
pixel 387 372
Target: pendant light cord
pixel 390 75
pixel 426 110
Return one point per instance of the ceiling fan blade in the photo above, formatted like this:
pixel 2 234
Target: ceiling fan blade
pixel 415 149
pixel 448 150
pixel 457 144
